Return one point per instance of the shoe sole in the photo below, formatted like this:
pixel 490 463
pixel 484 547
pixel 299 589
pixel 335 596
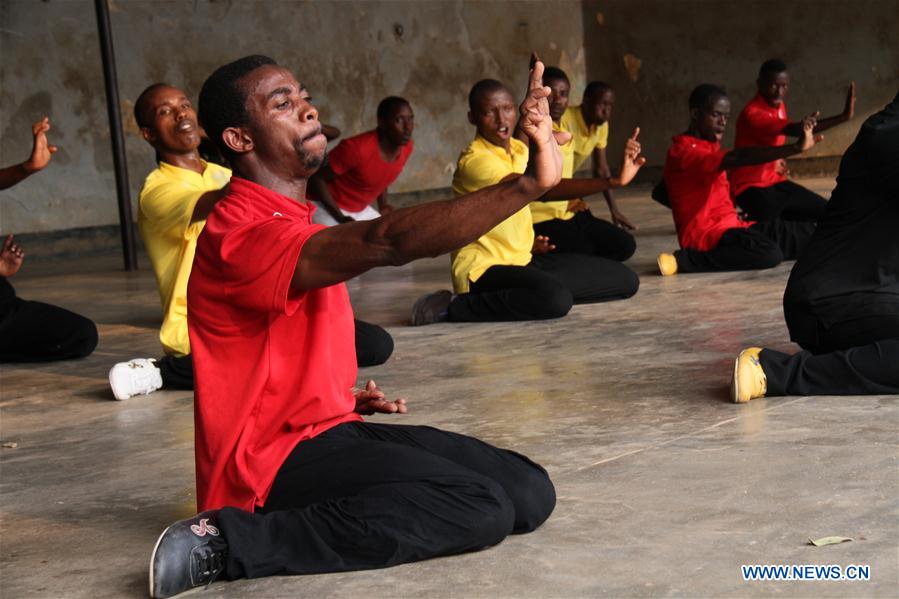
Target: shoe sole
pixel 115 391
pixel 153 559
pixel 417 323
pixel 735 382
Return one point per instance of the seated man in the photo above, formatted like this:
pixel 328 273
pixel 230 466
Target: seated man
pixel 589 128
pixel 762 191
pixel 361 168
pixel 291 479
pixel 842 300
pixel 173 205
pixel 499 277
pixel 34 331
pixel 569 224
pixel 711 235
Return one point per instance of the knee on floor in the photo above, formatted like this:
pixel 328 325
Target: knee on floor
pixel 554 301
pixel 378 347
pixel 83 339
pixel 534 499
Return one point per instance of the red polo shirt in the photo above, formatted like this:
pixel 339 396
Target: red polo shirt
pixel 759 124
pixel 361 174
pixel 273 366
pixel 699 192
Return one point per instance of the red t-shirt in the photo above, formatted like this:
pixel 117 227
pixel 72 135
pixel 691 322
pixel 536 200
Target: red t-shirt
pixel 760 124
pixel 273 366
pixel 361 173
pixel 699 192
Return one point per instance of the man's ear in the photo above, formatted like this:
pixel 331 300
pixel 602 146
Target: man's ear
pixel 471 118
pixel 237 140
pixel 147 134
pixel 694 115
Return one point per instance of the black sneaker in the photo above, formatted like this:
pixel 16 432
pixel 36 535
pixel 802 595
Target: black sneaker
pixel 188 554
pixel 431 308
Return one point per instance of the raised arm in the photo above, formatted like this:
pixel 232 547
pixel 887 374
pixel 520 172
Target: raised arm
pixel 795 129
pixel 318 185
pixel 41 151
pixel 340 253
pixel 569 189
pixel 762 154
pixel 206 203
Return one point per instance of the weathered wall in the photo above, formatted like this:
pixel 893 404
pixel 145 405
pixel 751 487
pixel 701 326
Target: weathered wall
pixel 350 55
pixel 654 52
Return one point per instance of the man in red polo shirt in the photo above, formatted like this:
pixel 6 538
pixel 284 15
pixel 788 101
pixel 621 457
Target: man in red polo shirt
pixel 291 479
pixel 763 190
pixel 711 235
pixel 360 169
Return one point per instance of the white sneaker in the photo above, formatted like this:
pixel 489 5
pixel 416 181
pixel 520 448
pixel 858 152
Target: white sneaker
pixel 137 377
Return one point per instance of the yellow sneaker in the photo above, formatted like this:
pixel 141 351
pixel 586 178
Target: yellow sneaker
pixel 749 380
pixel 667 264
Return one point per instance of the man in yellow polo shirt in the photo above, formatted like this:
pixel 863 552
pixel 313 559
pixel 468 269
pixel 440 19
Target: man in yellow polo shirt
pixel 571 225
pixel 173 205
pixel 509 273
pixel 589 128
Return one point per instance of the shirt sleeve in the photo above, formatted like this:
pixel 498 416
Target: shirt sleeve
pixel 344 157
pixel 764 124
pixel 169 207
pixel 602 136
pixel 259 260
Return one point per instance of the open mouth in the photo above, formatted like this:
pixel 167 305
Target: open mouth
pixel 503 131
pixel 316 133
pixel 186 126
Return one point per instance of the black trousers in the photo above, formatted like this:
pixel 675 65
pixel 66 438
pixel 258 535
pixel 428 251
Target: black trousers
pixel 373 346
pixel 785 200
pixel 39 332
pixel 586 234
pixel 763 245
pixel 853 357
pixel 545 288
pixel 363 496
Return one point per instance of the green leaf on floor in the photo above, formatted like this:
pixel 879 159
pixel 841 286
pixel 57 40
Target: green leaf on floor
pixel 828 541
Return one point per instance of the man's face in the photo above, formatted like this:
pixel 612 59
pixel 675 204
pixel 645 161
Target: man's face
pixel 399 125
pixel 283 125
pixel 599 106
pixel 496 117
pixel 558 98
pixel 711 121
pixel 172 121
pixel 774 87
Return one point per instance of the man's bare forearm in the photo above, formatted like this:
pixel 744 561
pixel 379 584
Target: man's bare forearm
pixel 758 155
pixel 322 195
pixel 571 189
pixel 11 175
pixel 339 253
pixel 795 129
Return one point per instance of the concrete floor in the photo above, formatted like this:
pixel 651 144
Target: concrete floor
pixel 664 487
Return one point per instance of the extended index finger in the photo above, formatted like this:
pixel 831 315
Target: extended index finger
pixel 536 81
pixel 636 133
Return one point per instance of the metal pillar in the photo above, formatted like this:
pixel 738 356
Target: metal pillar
pixel 126 223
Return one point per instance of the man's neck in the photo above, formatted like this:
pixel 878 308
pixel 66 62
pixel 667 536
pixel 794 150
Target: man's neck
pixel 190 161
pixel 294 189
pixel 389 152
pixel 506 145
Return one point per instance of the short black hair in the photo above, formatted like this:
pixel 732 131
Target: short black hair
pixel 703 93
pixel 223 103
pixel 772 66
pixel 595 88
pixel 484 86
pixel 554 73
pixel 141 105
pixel 389 105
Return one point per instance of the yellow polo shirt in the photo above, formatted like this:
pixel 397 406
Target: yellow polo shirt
pixel 166 204
pixel 584 139
pixel 509 243
pixel 543 211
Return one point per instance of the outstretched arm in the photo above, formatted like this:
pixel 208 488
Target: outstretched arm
pixel 795 129
pixel 340 253
pixel 762 154
pixel 41 152
pixel 569 189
